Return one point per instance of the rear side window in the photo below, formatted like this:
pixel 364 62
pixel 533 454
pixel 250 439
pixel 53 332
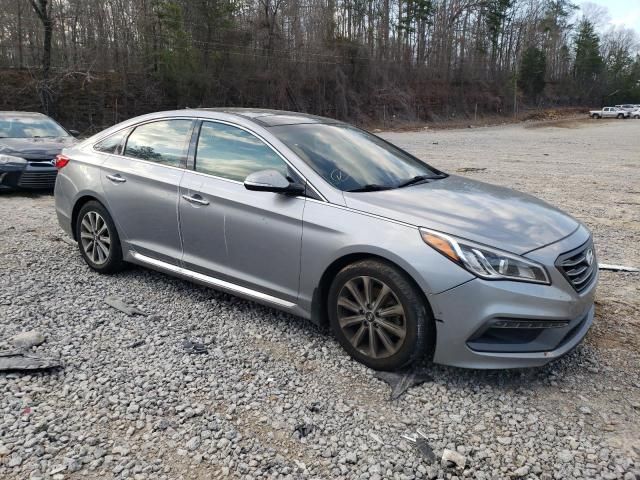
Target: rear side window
pixel 230 152
pixel 111 144
pixel 163 142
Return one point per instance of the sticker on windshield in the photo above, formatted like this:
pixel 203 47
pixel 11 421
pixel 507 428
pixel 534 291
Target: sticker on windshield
pixel 338 176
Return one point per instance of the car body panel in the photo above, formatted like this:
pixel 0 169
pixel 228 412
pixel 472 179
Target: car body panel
pixel 332 232
pixel 251 237
pixel 145 204
pixel 477 211
pixel 80 182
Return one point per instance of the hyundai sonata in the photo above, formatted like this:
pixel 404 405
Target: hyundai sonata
pixel 331 223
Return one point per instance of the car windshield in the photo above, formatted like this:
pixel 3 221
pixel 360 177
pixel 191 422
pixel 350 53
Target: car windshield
pixel 351 159
pixel 30 127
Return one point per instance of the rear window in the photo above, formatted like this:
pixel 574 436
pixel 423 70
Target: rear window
pixel 112 143
pixel 164 142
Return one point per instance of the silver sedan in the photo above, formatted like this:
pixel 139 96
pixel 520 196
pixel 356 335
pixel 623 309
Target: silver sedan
pixel 330 223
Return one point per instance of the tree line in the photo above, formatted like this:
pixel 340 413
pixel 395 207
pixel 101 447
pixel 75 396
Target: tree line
pixel 361 60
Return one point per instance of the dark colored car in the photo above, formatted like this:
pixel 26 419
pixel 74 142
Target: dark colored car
pixel 29 144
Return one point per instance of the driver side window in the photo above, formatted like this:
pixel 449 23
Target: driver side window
pixel 232 153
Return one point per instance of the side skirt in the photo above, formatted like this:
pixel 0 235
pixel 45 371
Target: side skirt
pixel 215 282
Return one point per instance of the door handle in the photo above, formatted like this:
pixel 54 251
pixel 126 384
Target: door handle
pixel 116 178
pixel 197 200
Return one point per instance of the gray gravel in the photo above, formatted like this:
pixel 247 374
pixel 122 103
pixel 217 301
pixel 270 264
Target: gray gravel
pixel 130 403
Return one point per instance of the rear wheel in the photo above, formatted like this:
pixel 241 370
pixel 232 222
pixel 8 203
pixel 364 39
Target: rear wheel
pixel 620 115
pixel 98 239
pixel 379 316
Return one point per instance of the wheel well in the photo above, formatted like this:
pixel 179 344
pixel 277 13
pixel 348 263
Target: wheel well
pixel 76 209
pixel 319 312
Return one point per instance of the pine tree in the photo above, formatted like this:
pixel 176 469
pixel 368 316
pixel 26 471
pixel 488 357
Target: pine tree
pixel 589 63
pixel 532 72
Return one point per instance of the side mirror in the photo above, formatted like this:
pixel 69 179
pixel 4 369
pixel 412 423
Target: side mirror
pixel 75 133
pixel 272 181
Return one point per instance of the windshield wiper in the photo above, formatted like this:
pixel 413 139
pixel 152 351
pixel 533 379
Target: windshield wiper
pixel 415 180
pixel 373 187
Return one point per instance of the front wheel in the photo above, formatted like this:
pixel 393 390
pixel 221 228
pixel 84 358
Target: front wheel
pixel 98 239
pixel 379 316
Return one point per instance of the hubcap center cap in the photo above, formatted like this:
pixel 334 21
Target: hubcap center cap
pixel 369 317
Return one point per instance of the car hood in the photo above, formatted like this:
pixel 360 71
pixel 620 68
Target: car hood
pixel 35 148
pixel 488 214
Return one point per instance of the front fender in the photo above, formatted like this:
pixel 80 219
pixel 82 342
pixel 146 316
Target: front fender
pixel 332 233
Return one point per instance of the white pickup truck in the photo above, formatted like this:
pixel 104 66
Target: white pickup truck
pixel 609 112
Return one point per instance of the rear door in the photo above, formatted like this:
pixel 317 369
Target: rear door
pixel 251 239
pixel 141 187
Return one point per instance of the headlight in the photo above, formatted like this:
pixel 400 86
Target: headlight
pixel 4 159
pixel 485 262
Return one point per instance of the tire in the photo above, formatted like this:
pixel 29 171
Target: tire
pixel 620 115
pixel 408 335
pixel 636 117
pixel 96 218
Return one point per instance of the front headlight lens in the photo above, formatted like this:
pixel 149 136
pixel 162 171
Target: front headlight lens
pixel 5 159
pixel 485 262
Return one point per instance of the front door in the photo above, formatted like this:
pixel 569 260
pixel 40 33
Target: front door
pixel 141 187
pixel 251 239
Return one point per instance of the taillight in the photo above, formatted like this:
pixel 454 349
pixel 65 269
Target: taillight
pixel 61 161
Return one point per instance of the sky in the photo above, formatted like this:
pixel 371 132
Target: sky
pixel 622 12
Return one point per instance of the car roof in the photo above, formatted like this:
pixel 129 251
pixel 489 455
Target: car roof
pixel 271 118
pixel 17 114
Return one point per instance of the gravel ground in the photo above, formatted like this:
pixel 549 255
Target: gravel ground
pixel 130 403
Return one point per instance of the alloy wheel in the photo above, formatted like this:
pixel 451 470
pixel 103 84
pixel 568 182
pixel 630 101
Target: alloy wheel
pixel 95 237
pixel 371 317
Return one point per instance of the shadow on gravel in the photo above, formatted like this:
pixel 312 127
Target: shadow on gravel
pixel 25 193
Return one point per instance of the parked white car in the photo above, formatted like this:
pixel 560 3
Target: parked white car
pixel 636 113
pixel 609 112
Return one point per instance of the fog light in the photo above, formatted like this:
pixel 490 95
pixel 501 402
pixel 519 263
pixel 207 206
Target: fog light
pixel 503 323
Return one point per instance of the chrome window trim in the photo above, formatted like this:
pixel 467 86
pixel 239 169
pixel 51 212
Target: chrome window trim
pixel 156 164
pixel 263 140
pixel 215 282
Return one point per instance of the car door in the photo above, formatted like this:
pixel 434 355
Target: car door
pixel 251 239
pixel 141 187
pixel 609 112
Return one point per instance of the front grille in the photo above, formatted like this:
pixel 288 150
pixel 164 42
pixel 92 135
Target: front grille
pixel 37 179
pixel 41 164
pixel 579 266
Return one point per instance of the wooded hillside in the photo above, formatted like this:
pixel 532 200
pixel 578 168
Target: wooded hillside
pixel 96 62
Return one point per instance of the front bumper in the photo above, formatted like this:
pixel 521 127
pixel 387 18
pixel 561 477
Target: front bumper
pixel 555 317
pixel 32 175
